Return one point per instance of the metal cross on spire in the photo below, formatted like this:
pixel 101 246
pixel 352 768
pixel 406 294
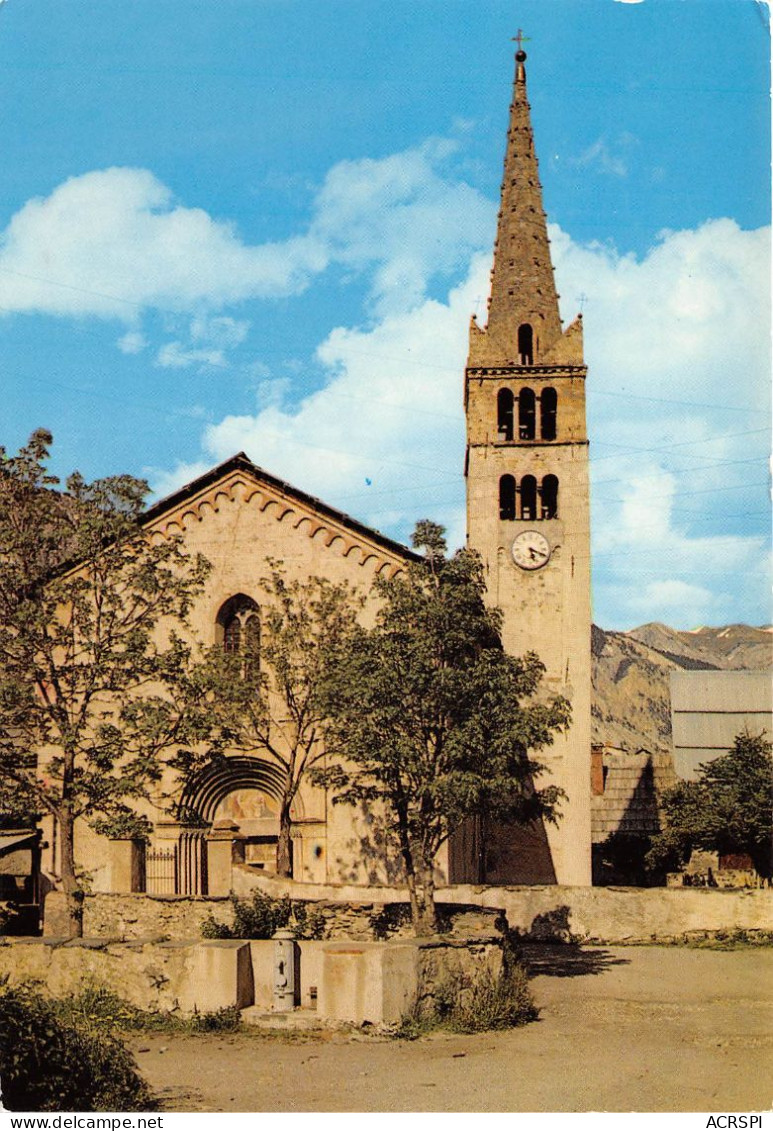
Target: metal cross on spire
pixel 520 39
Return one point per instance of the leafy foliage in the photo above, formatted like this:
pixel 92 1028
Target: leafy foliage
pixel 260 916
pixel 50 1064
pixel 729 809
pixel 18 807
pixel 92 693
pixel 436 722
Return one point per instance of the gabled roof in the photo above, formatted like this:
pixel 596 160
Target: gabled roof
pixel 241 462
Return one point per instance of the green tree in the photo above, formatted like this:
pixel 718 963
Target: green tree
pixel 728 809
pixel 435 721
pixel 265 699
pixel 94 693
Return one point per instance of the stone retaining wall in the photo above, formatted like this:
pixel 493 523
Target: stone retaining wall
pixel 129 916
pixel 350 982
pixel 611 915
pixel 187 975
pixel 599 914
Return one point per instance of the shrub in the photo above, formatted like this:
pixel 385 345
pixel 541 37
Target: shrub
pixel 49 1064
pixel 261 916
pixel 227 1019
pixel 493 1003
pixel 473 1005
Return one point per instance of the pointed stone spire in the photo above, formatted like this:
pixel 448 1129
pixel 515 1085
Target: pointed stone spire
pixel 523 291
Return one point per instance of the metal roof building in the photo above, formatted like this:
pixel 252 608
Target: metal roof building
pixel 708 710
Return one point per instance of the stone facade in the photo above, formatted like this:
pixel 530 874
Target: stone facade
pixel 528 509
pixel 241 518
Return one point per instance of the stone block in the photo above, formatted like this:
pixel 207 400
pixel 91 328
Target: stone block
pixel 373 982
pixel 56 920
pixel 219 864
pixel 219 974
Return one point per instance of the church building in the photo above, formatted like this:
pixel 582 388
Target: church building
pixel 526 471
pixel 528 500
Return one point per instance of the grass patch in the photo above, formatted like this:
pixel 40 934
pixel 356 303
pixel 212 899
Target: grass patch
pixel 98 1006
pixel 461 1004
pixel 737 939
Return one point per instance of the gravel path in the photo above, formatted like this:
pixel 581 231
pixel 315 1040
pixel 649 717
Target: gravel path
pixel 620 1029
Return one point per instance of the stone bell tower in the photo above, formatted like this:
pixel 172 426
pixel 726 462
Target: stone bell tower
pixel 528 500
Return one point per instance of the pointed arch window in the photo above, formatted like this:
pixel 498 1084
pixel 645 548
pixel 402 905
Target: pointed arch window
pixel 238 628
pixel 525 344
pixel 529 498
pixel 548 412
pixel 507 498
pixel 526 414
pixel 549 495
pixel 505 414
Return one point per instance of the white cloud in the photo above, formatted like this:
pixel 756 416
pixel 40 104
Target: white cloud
pixel 385 437
pixel 402 215
pixel 132 342
pixel 674 602
pixel 679 321
pixel 166 482
pixel 601 156
pixel 114 241
pixel 679 389
pixel 175 355
pixel 655 568
pixel 677 342
pixel 225 332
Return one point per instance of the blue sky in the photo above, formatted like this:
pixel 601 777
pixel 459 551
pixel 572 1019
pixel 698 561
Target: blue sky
pixel 264 224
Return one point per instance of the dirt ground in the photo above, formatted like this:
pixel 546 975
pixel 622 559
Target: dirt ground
pixel 620 1029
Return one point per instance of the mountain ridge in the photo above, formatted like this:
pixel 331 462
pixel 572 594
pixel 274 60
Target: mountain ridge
pixel 631 701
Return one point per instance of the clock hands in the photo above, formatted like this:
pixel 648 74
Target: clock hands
pixel 530 550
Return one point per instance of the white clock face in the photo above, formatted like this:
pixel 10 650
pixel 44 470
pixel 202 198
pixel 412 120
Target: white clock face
pixel 531 550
